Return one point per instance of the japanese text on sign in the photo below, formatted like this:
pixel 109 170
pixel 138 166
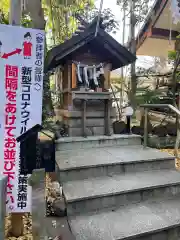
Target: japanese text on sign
pixel 11 85
pixel 21 74
pixel 26 77
pixel 39 62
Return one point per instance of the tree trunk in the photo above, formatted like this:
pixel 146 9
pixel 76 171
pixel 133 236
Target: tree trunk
pixel 34 7
pixel 133 88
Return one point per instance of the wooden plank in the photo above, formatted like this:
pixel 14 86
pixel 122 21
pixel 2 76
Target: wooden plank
pixel 69 85
pixel 84 118
pixel 17 226
pixel 91 95
pixel 65 100
pixel 107 70
pixel 69 75
pixel 107 117
pixel 74 78
pixel 65 77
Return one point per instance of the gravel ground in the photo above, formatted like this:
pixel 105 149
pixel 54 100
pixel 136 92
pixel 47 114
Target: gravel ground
pixel 27 228
pixel 51 195
pixel 171 151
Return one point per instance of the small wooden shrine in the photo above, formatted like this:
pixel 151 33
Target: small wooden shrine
pixel 85 62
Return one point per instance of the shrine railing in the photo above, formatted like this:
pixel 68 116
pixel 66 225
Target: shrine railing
pixel 175 110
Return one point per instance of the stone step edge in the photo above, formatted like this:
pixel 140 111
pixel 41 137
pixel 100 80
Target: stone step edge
pixel 97 138
pixel 113 164
pixel 177 183
pixel 144 232
pixel 147 233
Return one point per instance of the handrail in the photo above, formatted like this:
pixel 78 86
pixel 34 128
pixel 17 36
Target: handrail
pixel 174 109
pixel 161 105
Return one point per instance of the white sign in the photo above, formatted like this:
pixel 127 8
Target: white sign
pixel 21 84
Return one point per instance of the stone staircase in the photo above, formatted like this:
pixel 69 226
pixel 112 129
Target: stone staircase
pixel 115 189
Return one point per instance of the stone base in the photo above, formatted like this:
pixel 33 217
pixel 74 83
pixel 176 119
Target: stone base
pixel 161 142
pixel 95 121
pixel 95 125
pixel 64 113
pixel 90 131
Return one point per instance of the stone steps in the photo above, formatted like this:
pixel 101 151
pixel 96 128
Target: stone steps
pixel 110 192
pixel 144 221
pixel 115 189
pixel 109 160
pixel 74 143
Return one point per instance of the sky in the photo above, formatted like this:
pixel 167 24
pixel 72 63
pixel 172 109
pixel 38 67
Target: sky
pixel 142 61
pixel 117 13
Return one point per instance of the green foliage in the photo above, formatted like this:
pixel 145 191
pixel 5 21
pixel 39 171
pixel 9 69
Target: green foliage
pixel 141 8
pixel 25 21
pixel 146 95
pixel 61 17
pixel 4 18
pixel 172 55
pixel 4 6
pixel 110 23
pixel 116 80
pixel 4 9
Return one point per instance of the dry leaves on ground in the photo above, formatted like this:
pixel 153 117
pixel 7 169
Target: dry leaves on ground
pixel 171 152
pixel 27 219
pixel 27 235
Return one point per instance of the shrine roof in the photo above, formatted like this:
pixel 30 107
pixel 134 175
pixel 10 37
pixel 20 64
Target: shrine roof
pixel 102 45
pixel 158 33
